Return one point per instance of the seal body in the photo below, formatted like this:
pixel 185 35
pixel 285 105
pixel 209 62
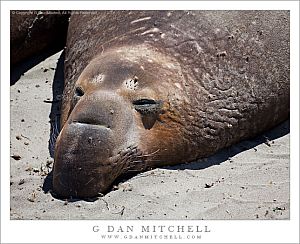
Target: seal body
pixel 34 31
pixel 150 88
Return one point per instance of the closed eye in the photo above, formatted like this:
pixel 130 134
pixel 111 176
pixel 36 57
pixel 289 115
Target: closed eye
pixel 147 106
pixel 144 102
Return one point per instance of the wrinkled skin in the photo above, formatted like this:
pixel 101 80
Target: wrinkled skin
pixel 150 88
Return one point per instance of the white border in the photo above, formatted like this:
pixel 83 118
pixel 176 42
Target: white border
pixel 13 231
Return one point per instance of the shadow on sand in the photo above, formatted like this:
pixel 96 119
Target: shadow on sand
pixel 16 71
pixel 226 153
pixel 54 116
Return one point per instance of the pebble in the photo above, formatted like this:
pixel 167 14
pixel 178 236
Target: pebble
pixel 208 185
pixel 16 157
pixel 21 182
pixel 28 168
pixel 32 197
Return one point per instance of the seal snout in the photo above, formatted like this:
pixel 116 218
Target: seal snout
pixel 82 166
pixel 87 147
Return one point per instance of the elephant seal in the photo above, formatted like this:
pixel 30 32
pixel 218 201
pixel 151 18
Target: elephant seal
pixel 145 89
pixel 32 32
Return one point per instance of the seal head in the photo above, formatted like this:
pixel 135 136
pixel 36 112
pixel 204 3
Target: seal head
pixel 119 120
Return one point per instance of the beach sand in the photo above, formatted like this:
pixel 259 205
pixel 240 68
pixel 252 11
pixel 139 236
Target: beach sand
pixel 249 180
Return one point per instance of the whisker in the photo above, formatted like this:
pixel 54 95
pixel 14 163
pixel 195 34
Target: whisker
pixel 62 183
pixel 89 181
pixel 147 155
pixel 139 161
pixel 54 176
pixel 151 154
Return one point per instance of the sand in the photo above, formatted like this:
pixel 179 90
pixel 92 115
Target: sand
pixel 249 180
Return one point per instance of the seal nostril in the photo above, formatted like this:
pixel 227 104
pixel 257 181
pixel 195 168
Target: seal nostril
pixel 79 91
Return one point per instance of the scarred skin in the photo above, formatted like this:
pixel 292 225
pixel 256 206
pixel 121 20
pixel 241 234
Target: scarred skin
pixel 150 88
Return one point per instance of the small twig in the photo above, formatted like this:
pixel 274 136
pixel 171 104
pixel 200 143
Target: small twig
pixel 121 212
pixel 25 137
pixel 106 203
pixel 49 101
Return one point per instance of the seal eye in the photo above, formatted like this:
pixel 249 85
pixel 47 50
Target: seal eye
pixel 147 106
pixel 79 91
